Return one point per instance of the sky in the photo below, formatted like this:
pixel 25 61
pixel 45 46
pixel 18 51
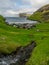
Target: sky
pixel 14 7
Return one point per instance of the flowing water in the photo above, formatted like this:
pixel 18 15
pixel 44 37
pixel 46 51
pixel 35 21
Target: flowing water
pixel 19 58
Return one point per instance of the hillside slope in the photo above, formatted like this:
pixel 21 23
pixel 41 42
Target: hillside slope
pixel 40 55
pixel 12 37
pixel 41 15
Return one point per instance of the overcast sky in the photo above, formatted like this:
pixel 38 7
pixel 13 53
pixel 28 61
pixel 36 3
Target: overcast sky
pixel 13 7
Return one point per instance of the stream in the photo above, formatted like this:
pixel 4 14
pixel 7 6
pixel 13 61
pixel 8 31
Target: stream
pixel 18 57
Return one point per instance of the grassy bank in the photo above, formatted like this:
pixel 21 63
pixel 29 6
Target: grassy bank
pixel 40 55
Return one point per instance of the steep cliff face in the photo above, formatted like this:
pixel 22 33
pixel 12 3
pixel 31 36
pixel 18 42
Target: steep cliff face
pixel 44 8
pixel 41 14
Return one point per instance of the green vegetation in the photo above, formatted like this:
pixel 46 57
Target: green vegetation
pixel 37 16
pixel 11 38
pixel 40 55
pixel 41 15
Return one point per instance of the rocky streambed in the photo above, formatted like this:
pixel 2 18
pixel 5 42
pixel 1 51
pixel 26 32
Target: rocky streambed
pixel 18 57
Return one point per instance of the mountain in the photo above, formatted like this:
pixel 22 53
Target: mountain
pixel 24 15
pixel 41 15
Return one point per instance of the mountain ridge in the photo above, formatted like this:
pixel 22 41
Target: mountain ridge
pixel 41 15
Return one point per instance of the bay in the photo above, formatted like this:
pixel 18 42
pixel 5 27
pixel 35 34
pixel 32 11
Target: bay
pixel 18 20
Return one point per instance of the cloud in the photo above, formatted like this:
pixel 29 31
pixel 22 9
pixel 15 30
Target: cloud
pixel 13 7
pixel 36 3
pixel 10 12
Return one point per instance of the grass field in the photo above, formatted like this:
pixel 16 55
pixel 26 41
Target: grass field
pixel 11 38
pixel 40 55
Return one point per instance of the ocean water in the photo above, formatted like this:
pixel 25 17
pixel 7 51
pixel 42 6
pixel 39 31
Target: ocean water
pixel 17 20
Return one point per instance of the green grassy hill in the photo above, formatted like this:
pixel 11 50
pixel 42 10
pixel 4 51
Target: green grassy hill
pixel 41 15
pixel 40 55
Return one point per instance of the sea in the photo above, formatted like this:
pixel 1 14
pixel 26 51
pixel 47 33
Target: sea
pixel 17 20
